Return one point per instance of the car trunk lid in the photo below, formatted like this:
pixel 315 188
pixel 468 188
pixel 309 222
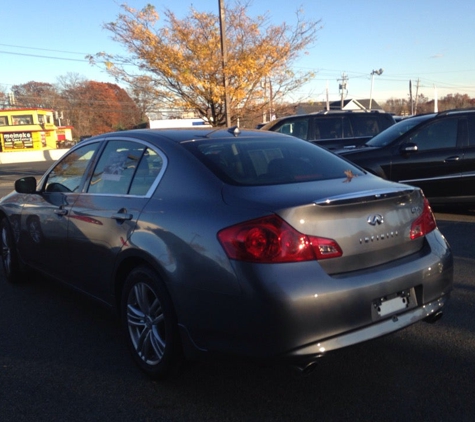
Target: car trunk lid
pixel 372 226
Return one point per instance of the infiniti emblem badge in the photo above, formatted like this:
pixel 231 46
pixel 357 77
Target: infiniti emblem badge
pixel 375 219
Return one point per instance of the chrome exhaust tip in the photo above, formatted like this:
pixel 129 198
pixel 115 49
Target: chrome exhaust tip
pixel 305 369
pixel 431 319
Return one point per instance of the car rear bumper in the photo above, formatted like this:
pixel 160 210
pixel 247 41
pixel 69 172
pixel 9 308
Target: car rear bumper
pixel 304 356
pixel 297 312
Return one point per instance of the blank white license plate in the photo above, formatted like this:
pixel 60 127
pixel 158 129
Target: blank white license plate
pixel 392 305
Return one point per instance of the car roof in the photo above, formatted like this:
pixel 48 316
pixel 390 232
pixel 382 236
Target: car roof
pixel 418 117
pixel 323 112
pixel 457 111
pixel 327 113
pixel 331 112
pixel 189 134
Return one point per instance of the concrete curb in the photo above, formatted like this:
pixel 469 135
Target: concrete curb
pixel 31 156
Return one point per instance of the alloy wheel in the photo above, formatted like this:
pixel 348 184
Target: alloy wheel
pixel 146 323
pixel 6 251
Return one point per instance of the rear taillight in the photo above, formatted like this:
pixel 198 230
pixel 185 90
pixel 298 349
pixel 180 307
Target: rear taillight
pixel 425 223
pixel 271 239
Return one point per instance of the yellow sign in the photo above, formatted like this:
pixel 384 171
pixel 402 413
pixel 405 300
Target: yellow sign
pixel 27 129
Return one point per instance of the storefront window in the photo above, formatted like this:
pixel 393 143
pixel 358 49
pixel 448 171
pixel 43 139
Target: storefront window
pixel 26 119
pixel 3 121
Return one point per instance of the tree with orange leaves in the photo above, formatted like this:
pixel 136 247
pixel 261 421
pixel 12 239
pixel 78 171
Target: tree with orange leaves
pixel 182 58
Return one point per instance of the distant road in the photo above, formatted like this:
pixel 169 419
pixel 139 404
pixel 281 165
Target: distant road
pixel 11 172
pixel 22 169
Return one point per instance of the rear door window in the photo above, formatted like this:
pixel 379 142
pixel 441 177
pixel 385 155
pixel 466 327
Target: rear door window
pixel 149 168
pixel 125 168
pixel 116 167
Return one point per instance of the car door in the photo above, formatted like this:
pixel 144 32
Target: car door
pixel 430 158
pixel 104 216
pixel 467 182
pixel 45 215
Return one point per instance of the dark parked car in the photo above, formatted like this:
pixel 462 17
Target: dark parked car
pixel 333 129
pixel 434 151
pixel 208 242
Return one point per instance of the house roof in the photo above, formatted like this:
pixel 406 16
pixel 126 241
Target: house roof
pixel 349 104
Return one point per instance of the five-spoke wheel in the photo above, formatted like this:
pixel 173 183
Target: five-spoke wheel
pixel 149 322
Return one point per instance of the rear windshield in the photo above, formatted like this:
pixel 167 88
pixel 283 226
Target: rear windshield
pixel 270 161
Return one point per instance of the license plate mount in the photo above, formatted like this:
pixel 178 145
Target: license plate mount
pixel 393 304
pixel 388 307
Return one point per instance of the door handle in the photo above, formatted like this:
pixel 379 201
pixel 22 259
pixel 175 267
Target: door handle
pixel 122 215
pixel 452 158
pixel 60 211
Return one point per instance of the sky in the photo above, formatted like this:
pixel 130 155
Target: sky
pixel 430 44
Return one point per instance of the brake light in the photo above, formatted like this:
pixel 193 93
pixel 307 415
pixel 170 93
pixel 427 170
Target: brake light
pixel 271 240
pixel 423 224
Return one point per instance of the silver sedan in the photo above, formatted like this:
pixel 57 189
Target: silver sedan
pixel 226 242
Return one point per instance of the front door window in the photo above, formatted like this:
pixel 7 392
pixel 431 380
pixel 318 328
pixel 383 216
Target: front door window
pixel 67 175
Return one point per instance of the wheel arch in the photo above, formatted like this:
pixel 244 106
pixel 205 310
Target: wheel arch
pixel 126 264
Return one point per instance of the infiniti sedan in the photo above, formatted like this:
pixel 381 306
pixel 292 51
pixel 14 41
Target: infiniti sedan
pixel 224 242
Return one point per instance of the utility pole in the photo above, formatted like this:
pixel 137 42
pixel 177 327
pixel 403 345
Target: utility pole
pixel 222 25
pixel 327 98
pixel 342 88
pixel 417 94
pixel 374 72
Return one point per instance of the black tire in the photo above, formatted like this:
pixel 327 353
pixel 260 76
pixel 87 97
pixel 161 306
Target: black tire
pixel 149 323
pixel 10 261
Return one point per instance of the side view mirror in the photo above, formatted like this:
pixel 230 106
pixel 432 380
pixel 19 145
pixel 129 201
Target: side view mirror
pixel 408 148
pixel 26 185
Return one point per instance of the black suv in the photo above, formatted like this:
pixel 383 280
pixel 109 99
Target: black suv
pixel 334 129
pixel 434 151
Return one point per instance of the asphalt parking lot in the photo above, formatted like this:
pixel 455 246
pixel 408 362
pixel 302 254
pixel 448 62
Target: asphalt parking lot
pixel 62 358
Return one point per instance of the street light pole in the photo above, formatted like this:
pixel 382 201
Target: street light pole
pixel 374 72
pixel 222 25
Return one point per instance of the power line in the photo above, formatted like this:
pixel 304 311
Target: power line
pixel 43 49
pixel 44 57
